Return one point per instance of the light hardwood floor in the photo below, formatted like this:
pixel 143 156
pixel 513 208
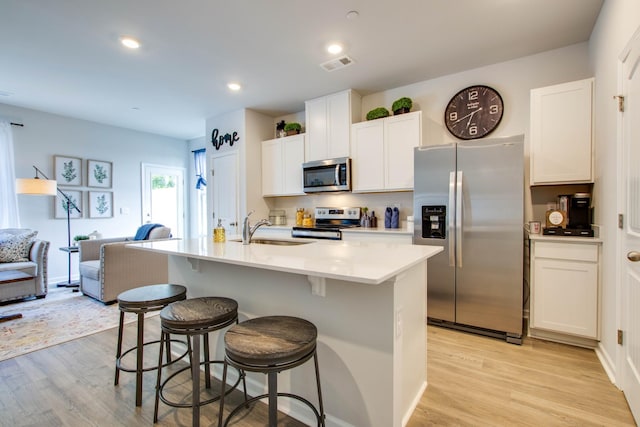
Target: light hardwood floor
pixel 473 381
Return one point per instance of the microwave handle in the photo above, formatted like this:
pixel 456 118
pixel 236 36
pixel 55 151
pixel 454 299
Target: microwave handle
pixel 337 172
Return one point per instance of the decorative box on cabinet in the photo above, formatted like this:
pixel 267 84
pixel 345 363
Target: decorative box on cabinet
pixel 561 130
pixel 328 124
pixel 565 292
pixel 282 160
pixel 382 152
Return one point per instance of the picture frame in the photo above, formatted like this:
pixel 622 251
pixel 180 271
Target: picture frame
pixel 100 204
pixel 60 209
pixel 99 173
pixel 68 170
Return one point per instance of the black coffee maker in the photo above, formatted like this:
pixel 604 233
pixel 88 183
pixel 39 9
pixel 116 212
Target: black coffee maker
pixel 580 211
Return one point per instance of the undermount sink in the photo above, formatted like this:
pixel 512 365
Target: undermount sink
pixel 276 242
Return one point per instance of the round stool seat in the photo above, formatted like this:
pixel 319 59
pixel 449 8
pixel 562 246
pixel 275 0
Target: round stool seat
pixel 151 297
pixel 198 313
pixel 270 340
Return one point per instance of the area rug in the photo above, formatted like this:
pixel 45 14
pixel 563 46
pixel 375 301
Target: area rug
pixel 61 316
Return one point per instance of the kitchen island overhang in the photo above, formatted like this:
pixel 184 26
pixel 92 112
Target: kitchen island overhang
pixel 366 299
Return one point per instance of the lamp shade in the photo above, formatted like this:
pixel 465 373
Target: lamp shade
pixel 36 186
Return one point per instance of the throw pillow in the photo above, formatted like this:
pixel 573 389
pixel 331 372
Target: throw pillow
pixel 15 247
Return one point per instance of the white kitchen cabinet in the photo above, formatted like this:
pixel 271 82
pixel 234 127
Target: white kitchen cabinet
pixel 382 152
pixel 561 132
pixel 282 160
pixel 328 124
pixel 564 290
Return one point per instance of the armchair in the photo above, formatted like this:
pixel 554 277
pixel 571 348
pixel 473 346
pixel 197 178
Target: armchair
pixel 36 266
pixel 108 267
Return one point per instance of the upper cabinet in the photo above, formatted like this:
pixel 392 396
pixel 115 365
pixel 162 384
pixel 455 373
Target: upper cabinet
pixel 561 132
pixel 282 160
pixel 328 124
pixel 382 153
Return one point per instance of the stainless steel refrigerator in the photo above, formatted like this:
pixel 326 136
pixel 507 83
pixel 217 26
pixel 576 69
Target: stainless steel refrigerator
pixel 468 198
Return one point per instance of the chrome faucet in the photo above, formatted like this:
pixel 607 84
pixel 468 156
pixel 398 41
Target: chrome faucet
pixel 248 230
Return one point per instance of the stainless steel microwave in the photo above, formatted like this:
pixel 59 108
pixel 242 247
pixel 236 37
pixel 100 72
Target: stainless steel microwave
pixel 327 175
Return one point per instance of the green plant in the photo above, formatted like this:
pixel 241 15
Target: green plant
pixel 377 113
pixel 80 237
pixel 401 103
pixel 292 126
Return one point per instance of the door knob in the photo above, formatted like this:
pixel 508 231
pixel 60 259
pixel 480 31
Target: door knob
pixel 633 256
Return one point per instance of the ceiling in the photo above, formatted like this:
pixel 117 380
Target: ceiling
pixel 64 56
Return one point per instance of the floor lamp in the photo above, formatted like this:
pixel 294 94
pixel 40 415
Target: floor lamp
pixel 49 187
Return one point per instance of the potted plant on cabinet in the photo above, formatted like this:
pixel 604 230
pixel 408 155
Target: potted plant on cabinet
pixel 377 113
pixel 402 105
pixel 292 128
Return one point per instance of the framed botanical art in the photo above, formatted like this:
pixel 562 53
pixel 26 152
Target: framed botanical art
pixel 100 204
pixel 62 205
pixel 99 173
pixel 68 170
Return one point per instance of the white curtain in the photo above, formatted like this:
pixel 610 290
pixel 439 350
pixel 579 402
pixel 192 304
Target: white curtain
pixel 9 217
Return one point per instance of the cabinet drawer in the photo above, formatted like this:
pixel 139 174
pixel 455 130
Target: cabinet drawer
pixel 569 251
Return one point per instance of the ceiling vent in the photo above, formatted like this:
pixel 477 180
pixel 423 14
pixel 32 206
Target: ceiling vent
pixel 337 63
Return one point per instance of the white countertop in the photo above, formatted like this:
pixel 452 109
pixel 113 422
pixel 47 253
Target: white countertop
pixel 364 262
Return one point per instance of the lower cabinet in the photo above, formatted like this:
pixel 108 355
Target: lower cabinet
pixel 565 291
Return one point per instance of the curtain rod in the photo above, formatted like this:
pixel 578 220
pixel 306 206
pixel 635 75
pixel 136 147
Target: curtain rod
pixel 17 124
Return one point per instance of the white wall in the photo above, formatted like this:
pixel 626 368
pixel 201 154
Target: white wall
pixel 617 22
pixel 45 135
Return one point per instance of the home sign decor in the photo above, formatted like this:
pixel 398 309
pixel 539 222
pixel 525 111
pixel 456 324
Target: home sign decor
pixel 218 140
pixel 474 112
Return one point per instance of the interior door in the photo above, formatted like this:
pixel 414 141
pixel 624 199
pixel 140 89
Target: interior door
pixel 163 197
pixel 224 191
pixel 630 241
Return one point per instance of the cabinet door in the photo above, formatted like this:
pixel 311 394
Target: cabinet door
pixel 401 134
pixel 339 124
pixel 565 297
pixel 292 158
pixel 367 156
pixel 561 133
pixel 316 129
pixel 271 167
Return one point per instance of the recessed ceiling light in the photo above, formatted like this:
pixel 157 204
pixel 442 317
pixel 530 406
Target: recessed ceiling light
pixel 234 86
pixel 129 42
pixel 334 48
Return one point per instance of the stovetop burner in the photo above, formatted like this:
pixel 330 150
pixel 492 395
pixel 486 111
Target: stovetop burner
pixel 329 222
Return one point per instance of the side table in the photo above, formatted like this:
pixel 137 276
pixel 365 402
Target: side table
pixel 69 283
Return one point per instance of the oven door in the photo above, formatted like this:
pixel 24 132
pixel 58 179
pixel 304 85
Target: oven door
pixel 327 175
pixel 316 233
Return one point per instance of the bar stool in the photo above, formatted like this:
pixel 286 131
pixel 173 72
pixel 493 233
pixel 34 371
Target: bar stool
pixel 271 344
pixel 195 318
pixel 140 301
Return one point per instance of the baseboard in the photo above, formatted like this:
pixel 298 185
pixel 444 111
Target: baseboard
pixel 607 364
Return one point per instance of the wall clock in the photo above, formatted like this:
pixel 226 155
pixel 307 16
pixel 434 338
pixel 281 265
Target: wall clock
pixel 474 112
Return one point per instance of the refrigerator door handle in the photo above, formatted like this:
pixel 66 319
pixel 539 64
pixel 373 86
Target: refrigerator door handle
pixel 452 224
pixel 459 218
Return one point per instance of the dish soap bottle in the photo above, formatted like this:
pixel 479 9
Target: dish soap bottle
pixel 218 232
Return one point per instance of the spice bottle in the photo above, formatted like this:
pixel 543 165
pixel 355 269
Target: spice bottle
pixel 219 233
pixel 299 216
pixel 307 221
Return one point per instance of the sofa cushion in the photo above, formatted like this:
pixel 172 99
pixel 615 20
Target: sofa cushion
pixel 15 247
pixel 90 269
pixel 28 267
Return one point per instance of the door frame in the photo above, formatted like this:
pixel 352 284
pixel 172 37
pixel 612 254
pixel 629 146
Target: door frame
pixel 145 169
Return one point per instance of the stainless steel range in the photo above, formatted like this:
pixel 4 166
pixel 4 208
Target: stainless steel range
pixel 329 222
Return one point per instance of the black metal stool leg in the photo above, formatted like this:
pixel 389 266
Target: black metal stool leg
pixel 224 383
pixel 163 335
pixel 195 372
pixel 273 399
pixel 207 369
pixel 320 405
pixel 139 359
pixel 119 349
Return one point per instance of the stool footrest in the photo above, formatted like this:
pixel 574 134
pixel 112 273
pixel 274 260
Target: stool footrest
pixel 265 396
pixel 150 368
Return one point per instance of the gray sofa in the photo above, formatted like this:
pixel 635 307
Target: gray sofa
pixel 108 267
pixel 36 266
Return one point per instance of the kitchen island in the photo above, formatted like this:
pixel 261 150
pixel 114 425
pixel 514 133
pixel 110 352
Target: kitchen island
pixel 366 299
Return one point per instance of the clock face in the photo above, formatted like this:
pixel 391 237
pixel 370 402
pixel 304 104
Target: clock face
pixel 474 112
